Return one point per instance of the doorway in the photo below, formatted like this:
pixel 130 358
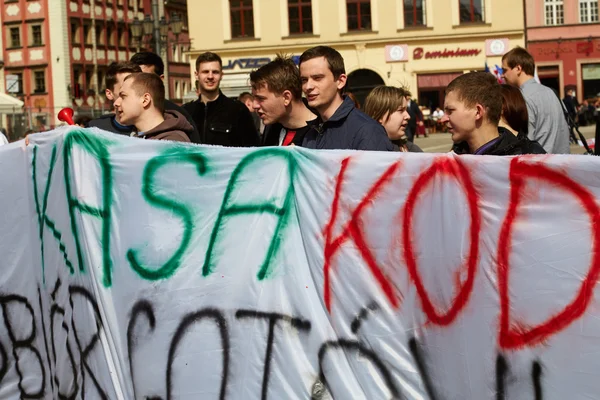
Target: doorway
pixel 361 82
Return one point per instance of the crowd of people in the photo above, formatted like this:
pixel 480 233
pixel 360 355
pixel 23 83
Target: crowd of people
pixel 306 105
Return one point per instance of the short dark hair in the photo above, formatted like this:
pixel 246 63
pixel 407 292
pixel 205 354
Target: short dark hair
pixel 83 120
pixel 245 96
pixel 208 57
pixel 520 56
pixel 149 58
pixel 479 88
pixel 110 79
pixel 514 109
pixel 144 82
pixel 279 75
pixel 333 57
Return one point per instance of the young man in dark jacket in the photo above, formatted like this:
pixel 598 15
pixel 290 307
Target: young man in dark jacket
pixel 115 75
pixel 152 63
pixel 341 125
pixel 141 103
pixel 473 107
pixel 277 93
pixel 220 120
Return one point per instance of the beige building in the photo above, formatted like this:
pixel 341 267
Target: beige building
pixel 422 44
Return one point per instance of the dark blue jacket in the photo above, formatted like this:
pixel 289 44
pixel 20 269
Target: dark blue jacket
pixel 348 128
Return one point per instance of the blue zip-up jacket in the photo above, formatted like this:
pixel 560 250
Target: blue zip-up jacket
pixel 348 128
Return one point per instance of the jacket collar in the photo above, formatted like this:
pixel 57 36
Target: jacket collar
pixel 218 100
pixel 343 110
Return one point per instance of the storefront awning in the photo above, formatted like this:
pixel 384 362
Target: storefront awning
pixel 435 81
pixel 9 104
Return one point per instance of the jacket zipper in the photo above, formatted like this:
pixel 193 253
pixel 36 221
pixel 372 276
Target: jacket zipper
pixel 205 122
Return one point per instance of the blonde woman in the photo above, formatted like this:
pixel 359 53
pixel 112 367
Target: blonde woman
pixel 387 105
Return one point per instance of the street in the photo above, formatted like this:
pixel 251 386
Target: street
pixel 441 142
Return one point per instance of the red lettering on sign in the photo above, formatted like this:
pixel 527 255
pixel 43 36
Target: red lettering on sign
pixel 354 231
pixel 511 337
pixel 419 52
pixel 451 167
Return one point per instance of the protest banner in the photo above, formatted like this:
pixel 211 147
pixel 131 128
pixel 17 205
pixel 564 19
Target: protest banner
pixel 139 269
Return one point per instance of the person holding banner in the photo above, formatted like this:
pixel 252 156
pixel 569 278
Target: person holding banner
pixel 277 92
pixel 341 124
pixel 473 107
pixel 141 103
pixel 115 75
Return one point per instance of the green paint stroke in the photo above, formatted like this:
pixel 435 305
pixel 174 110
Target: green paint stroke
pixel 97 147
pixel 151 193
pixel 228 210
pixel 43 219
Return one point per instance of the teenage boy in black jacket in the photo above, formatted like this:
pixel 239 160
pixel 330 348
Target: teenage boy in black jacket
pixel 472 107
pixel 277 92
pixel 220 120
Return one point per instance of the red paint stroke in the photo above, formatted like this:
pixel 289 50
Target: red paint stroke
pixel 511 337
pixel 451 167
pixel 354 231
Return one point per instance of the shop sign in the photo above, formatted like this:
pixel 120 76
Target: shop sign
pixel 396 52
pixel 591 71
pixel 546 51
pixel 496 47
pixel 585 47
pixel 247 63
pixel 419 53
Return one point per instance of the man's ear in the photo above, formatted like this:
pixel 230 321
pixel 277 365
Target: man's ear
pixel 162 77
pixel 146 100
pixel 519 70
pixel 109 95
pixel 287 97
pixel 479 112
pixel 341 81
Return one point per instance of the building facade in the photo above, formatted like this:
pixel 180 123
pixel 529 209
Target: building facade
pixel 56 53
pixel 564 38
pixel 422 44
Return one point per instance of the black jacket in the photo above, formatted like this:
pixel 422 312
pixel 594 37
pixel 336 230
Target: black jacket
pixel 348 128
pixel 224 122
pixel 194 135
pixel 107 122
pixel 507 145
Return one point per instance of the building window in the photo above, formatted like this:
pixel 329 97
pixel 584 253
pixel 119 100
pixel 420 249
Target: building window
pixel 121 36
pixel 414 13
pixel 99 35
pixel 15 37
pixel 36 35
pixel 14 86
pixel 359 14
pixel 110 38
pixel 87 34
pixel 75 32
pixel 300 16
pixel 554 12
pixel 242 18
pixel 588 11
pixel 39 81
pixel 471 11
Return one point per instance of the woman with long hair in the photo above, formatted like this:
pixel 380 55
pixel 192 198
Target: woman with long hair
pixel 514 111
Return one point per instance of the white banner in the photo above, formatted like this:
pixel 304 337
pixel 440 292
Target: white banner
pixel 139 269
